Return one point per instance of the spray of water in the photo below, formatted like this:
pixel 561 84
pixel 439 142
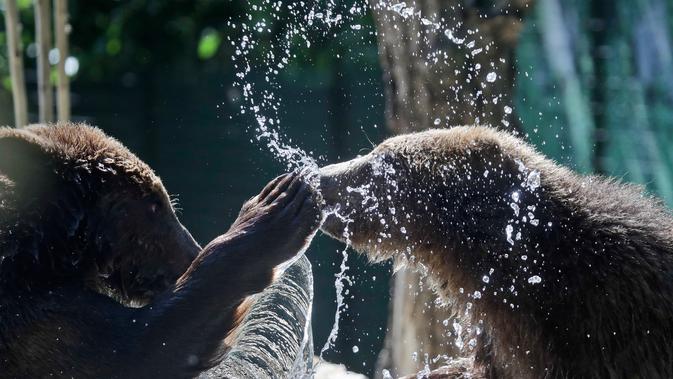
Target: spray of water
pixel 302 20
pixel 258 53
pixel 339 282
pixel 260 57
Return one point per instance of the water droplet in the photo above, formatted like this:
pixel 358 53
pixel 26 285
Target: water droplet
pixel 458 329
pixel 534 279
pixel 509 229
pixel 491 77
pixel 533 180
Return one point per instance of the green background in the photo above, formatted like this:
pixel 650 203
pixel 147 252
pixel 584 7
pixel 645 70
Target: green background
pixel 595 92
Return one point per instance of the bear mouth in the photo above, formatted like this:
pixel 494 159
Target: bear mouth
pixel 348 196
pixel 133 290
pixel 334 227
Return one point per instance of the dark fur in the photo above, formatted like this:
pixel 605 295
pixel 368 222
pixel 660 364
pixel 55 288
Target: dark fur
pixel 604 307
pixel 98 277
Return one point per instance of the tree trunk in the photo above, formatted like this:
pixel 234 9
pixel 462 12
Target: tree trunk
pixel 445 63
pixel 61 28
pixel 45 94
pixel 15 52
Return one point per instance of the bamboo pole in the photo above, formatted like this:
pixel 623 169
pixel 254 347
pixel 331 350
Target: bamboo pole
pixel 63 86
pixel 13 27
pixel 44 43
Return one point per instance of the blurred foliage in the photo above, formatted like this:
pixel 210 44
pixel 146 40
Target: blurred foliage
pixel 209 44
pixel 113 38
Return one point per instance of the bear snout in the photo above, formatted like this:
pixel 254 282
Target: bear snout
pixel 329 183
pixel 334 181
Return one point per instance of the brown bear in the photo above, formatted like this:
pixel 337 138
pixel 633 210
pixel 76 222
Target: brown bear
pixel 552 274
pixel 98 277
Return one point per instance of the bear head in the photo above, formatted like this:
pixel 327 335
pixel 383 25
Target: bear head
pixel 424 190
pixel 78 208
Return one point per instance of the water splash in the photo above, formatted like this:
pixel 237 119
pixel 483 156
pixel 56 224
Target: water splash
pixel 259 55
pixel 339 282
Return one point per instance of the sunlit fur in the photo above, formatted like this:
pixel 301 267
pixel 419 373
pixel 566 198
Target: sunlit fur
pixel 602 250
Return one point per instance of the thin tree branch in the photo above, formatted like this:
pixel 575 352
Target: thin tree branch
pixel 63 86
pixel 44 43
pixel 15 54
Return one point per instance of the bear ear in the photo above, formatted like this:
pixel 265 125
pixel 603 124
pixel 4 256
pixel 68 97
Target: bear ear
pixel 22 155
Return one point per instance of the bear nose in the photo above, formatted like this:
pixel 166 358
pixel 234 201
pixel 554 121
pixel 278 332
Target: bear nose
pixel 331 178
pixel 334 180
pixel 191 246
pixel 184 248
pixel 327 186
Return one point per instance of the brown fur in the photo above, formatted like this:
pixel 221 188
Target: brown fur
pixel 84 144
pixel 99 279
pixel 603 251
pixel 71 178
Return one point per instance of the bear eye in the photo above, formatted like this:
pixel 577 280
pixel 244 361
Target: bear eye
pixel 154 208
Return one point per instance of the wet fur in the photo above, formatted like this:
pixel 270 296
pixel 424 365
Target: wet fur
pixel 603 250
